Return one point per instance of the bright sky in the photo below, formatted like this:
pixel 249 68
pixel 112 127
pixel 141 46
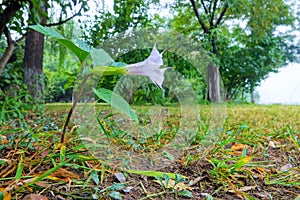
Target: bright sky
pixel 282 87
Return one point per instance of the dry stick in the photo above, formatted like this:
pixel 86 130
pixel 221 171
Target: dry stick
pixel 63 135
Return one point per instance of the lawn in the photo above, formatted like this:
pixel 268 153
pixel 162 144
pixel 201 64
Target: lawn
pixel 254 153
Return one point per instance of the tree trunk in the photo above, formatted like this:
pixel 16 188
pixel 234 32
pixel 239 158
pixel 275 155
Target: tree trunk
pixel 213 82
pixel 252 97
pixel 33 60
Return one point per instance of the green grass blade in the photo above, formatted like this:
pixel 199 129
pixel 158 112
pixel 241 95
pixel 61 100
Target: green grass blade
pixel 153 173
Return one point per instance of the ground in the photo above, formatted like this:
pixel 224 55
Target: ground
pixel 256 156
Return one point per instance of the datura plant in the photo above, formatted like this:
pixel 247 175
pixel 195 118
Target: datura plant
pixel 103 65
pixel 149 67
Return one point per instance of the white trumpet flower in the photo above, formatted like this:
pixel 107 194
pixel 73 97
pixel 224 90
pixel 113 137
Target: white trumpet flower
pixel 150 68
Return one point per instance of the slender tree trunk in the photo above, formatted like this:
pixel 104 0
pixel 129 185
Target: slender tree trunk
pixel 242 94
pixel 213 79
pixel 33 60
pixel 252 97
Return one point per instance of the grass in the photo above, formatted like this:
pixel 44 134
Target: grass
pixel 255 156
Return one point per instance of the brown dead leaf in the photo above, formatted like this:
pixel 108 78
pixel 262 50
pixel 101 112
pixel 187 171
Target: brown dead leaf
pixel 35 197
pixel 63 173
pixel 196 180
pixel 244 189
pixel 238 147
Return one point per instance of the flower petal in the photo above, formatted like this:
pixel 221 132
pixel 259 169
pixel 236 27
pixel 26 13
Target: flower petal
pixel 155 56
pixel 150 68
pixel 157 77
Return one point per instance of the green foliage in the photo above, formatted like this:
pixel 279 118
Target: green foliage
pixel 116 101
pixel 125 15
pixel 14 95
pixel 81 53
pixel 60 71
pixel 245 44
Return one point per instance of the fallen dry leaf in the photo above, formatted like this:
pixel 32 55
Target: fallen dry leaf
pixel 196 180
pixel 35 197
pixel 238 147
pixel 244 189
pixel 171 184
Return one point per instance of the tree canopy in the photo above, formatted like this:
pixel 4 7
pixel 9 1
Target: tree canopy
pixel 245 39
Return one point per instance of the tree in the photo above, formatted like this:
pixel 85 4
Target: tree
pixel 241 36
pixel 12 18
pixel 8 10
pixel 215 12
pixel 33 57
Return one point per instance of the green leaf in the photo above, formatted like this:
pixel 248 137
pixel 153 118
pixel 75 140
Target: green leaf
pixel 47 31
pixel 209 197
pixel 1 195
pixel 153 173
pixel 79 52
pixel 19 171
pixel 116 186
pixel 116 195
pixel 100 57
pixel 178 179
pixel 116 101
pixel 186 193
pixel 95 177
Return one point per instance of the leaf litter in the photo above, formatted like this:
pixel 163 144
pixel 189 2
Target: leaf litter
pixel 257 158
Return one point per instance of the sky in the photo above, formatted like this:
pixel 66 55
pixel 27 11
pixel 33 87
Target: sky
pixel 282 87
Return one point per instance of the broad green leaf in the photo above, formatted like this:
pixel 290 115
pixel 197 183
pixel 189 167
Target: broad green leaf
pixel 95 177
pixel 100 57
pixel 116 101
pixel 47 31
pixel 116 186
pixel 186 193
pixel 79 52
pixel 115 195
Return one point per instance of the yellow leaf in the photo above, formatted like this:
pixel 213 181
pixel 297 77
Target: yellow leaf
pixel 240 163
pixel 171 184
pixel 7 196
pixel 238 147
